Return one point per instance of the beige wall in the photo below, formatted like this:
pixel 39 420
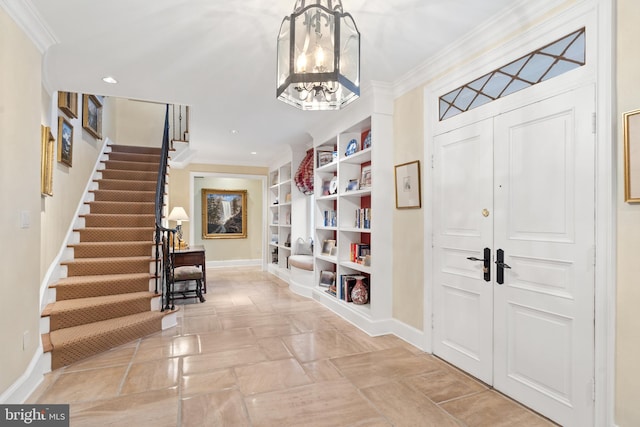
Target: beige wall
pixel 250 248
pixel 69 183
pixel 408 224
pixel 20 119
pixel 628 267
pixel 139 123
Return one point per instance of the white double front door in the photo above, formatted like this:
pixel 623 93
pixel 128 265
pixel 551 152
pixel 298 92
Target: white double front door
pixel 520 184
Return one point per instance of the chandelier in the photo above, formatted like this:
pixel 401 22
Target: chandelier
pixel 318 57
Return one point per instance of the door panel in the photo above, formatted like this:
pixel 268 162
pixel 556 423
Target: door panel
pixel 463 176
pixel 544 221
pixel 532 170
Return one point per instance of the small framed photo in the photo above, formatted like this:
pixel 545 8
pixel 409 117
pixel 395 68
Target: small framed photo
pixel 324 158
pixel 632 156
pixel 353 185
pixel 65 142
pixel 68 104
pixel 327 278
pixel 408 185
pixel 92 115
pixel 365 177
pixel 328 247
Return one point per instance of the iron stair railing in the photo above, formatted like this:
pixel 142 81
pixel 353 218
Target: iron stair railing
pixel 164 237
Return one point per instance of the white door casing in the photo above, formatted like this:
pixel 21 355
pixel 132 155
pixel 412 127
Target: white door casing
pixel 533 170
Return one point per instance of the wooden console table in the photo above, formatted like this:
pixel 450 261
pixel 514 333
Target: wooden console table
pixel 194 255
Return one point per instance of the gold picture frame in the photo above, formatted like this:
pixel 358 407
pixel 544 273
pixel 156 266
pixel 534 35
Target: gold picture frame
pixel 47 142
pixel 631 121
pixel 65 141
pixel 92 115
pixel 408 190
pixel 68 104
pixel 224 214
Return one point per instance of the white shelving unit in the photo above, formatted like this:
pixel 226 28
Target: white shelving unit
pixel 279 219
pixel 339 216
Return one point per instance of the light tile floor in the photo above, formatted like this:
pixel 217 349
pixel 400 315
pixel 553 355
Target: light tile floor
pixel 255 354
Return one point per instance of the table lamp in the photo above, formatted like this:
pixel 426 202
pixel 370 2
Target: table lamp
pixel 178 215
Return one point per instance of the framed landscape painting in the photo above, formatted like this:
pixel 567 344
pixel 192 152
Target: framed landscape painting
pixel 224 214
pixel 92 115
pixel 65 142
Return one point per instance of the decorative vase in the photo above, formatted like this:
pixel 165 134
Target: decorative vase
pixel 360 292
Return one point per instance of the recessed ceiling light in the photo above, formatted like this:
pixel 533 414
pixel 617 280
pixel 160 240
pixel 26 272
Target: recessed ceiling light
pixel 254 152
pixel 109 80
pixel 235 131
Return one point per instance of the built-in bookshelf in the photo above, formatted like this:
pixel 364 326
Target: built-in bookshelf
pixel 279 218
pixel 354 204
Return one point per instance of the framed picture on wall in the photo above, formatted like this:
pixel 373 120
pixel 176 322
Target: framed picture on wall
pixel 92 115
pixel 224 214
pixel 68 104
pixel 65 142
pixel 46 166
pixel 408 195
pixel 632 156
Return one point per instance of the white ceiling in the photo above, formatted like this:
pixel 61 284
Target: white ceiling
pixel 219 57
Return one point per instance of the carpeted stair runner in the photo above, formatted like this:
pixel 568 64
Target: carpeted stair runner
pixel 105 301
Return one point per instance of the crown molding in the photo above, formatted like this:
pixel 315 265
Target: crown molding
pixel 26 16
pixel 523 14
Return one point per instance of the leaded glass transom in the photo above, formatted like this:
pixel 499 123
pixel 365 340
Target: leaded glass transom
pixel 548 62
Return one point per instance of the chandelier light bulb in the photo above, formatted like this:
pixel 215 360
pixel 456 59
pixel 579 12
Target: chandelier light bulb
pixel 301 63
pixel 319 58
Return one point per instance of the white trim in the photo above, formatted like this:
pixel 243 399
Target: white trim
pixel 413 336
pixel 29 381
pixel 481 39
pixel 598 16
pixel 235 263
pixel 606 214
pixel 27 18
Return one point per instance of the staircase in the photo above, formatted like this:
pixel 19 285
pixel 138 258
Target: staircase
pixel 105 299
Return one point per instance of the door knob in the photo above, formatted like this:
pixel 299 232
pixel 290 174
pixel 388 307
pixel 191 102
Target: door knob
pixel 486 267
pixel 501 266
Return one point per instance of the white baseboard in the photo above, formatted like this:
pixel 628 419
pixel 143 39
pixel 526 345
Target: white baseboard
pixel 408 333
pixel 235 263
pixel 29 381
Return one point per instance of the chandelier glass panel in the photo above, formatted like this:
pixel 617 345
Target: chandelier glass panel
pixel 318 56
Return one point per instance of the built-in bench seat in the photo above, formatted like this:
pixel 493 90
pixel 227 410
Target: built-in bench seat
pixel 301 276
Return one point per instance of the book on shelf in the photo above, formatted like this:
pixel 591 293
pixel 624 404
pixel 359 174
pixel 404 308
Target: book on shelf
pixel 359 252
pixel 330 218
pixel 363 218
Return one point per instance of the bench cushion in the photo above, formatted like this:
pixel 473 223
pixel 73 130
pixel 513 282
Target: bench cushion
pixel 303 262
pixel 187 273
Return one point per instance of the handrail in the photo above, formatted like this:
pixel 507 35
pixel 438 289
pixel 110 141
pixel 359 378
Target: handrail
pixel 164 237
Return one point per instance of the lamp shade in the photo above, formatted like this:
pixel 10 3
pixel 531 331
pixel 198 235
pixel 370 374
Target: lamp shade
pixel 318 57
pixel 178 214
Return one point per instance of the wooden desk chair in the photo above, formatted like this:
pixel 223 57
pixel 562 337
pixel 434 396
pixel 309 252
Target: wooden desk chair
pixel 180 278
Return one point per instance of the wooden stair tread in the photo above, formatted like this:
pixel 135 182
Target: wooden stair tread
pixel 83 303
pixel 75 334
pixel 46 343
pixel 74 280
pixel 108 259
pixel 107 244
